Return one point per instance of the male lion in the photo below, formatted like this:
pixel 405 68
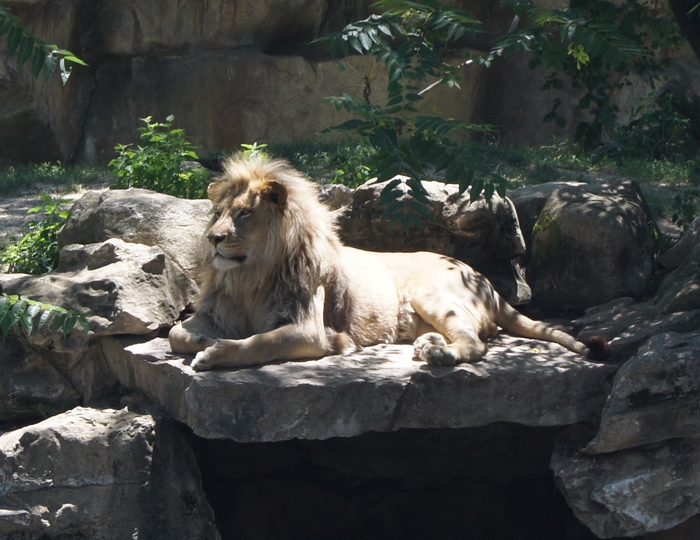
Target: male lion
pixel 279 285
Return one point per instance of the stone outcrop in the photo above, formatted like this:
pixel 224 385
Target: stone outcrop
pixel 101 474
pixel 630 493
pixel 655 396
pixel 637 471
pixel 30 387
pixel 242 72
pixel 125 288
pixel 674 308
pixel 140 216
pixel 625 460
pixel 377 389
pixel 590 245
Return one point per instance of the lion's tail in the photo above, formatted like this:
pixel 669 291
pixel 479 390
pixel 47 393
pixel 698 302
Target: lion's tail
pixel 517 323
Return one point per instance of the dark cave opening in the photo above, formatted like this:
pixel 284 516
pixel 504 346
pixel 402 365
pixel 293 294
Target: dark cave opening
pixel 491 482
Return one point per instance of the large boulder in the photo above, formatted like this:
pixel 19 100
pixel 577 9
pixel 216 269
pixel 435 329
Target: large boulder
pixel 630 493
pixel 140 216
pixel 655 396
pixel 30 387
pixel 121 289
pixel 675 307
pixel 484 234
pixel 590 245
pixel 377 389
pixel 101 474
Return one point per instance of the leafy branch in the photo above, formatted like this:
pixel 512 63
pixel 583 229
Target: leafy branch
pixel 19 313
pixel 414 40
pixel 598 45
pixel 44 57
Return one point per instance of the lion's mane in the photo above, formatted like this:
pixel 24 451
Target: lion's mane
pixel 300 249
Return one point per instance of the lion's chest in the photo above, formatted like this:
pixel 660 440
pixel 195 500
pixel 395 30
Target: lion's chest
pixel 240 317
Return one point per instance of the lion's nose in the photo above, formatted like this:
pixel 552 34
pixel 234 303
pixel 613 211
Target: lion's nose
pixel 215 238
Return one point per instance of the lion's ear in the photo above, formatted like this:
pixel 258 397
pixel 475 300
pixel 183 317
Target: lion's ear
pixel 216 191
pixel 274 192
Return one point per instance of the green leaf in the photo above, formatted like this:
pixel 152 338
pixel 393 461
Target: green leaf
pixel 26 47
pixel 477 188
pixel 28 318
pixel 14 38
pixel 5 304
pixel 38 61
pixel 45 316
pixel 70 323
pixel 50 65
pixel 5 25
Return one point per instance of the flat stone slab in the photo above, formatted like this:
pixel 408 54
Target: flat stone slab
pixel 377 389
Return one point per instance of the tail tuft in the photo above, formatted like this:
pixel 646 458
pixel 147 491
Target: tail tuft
pixel 598 348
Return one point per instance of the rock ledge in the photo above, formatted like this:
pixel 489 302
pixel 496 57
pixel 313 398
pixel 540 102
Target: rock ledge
pixel 377 389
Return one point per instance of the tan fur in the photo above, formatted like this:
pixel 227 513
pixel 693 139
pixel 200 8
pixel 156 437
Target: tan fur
pixel 279 285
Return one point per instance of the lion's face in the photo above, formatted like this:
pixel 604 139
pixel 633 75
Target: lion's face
pixel 246 222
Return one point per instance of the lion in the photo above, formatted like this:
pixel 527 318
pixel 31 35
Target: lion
pixel 279 285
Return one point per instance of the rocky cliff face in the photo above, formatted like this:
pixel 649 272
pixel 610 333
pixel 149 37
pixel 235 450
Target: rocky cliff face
pixel 232 73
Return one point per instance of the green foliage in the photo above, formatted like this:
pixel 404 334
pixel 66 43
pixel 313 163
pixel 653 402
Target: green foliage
pixel 255 149
pixel 37 251
pixel 54 174
pixel 598 45
pixel 656 131
pixel 44 57
pixel 336 163
pixel 157 163
pixel 684 206
pixel 21 314
pixel 413 40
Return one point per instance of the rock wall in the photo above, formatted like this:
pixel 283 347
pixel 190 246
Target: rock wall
pixel 232 73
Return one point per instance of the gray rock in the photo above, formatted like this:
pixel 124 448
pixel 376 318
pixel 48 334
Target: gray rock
pixel 629 493
pixel 378 389
pixel 485 235
pixel 140 216
pixel 101 474
pixel 680 289
pixel 30 387
pixel 627 325
pixel 529 202
pixel 124 288
pixel 679 252
pixel 655 396
pixel 591 245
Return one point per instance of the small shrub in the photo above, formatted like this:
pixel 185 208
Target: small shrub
pixel 157 163
pixel 37 251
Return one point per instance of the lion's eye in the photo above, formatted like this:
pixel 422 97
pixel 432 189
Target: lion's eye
pixel 244 212
pixel 217 214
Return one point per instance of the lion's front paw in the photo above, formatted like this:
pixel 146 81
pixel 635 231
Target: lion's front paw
pixel 432 349
pixel 202 361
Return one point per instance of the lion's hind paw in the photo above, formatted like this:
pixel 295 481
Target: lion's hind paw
pixel 432 349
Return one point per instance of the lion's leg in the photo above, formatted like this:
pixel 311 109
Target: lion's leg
pixel 458 336
pixel 306 339
pixel 194 335
pixel 434 349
